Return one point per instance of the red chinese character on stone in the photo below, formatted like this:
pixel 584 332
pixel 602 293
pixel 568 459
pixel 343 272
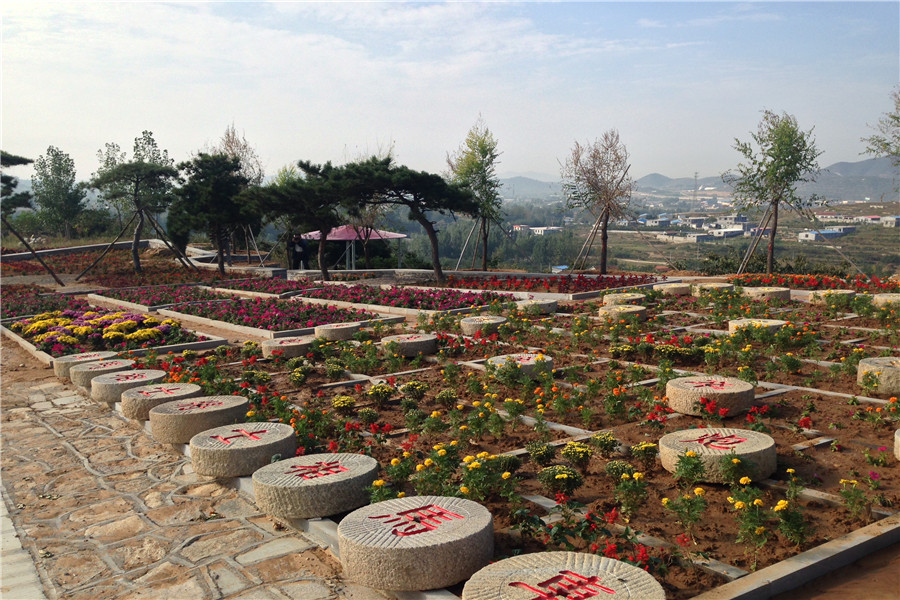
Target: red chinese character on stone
pixel 319 469
pixel 711 383
pixel 198 405
pixel 717 441
pixel 159 390
pixel 130 377
pixel 418 520
pixel 250 435
pixel 567 585
pixel 104 364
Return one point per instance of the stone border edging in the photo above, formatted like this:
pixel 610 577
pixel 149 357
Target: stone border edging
pixel 802 568
pixel 28 347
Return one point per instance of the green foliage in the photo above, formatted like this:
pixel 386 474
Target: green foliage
pixel 560 479
pixel 59 198
pixel 542 454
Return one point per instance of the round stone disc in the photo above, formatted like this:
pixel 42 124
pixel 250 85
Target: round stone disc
pixel 315 485
pixel 81 375
pixel 290 346
pixel 544 307
pixel 483 323
pixel 699 289
pixel 137 401
pixel 768 293
pixel 621 311
pixel 885 299
pixel 562 576
pixel 334 332
pixel 528 361
pixel 178 421
pixel 684 394
pixel 772 325
pixel 416 543
pixel 886 370
pixel 411 345
pixel 623 298
pixel 754 448
pixel 62 364
pixel 108 388
pixel 239 450
pixel 822 296
pixel 673 289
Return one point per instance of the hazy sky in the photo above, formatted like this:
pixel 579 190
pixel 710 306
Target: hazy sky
pixel 329 81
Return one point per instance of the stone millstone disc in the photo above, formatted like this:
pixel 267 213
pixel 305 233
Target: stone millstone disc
pixel 137 401
pixel 622 311
pixel 315 485
pixel 485 324
pixel 63 364
pixel 768 293
pixel 417 543
pixel 684 394
pixel 335 332
pixel 411 345
pixel 562 575
pixel 290 346
pixel 239 450
pixel 897 444
pixel 178 421
pixel 528 362
pixel 544 307
pixel 108 388
pixel 81 375
pixel 701 288
pixel 885 299
pixel 624 298
pixel 885 369
pixel 823 296
pixel 772 325
pixel 754 449
pixel 673 289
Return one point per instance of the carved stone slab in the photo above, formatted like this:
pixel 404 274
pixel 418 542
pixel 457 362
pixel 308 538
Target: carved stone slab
pixel 290 346
pixel 486 324
pixel 673 289
pixel 885 370
pixel 768 293
pixel 885 299
pixel 772 325
pixel 623 311
pixel 623 298
pixel 528 362
pixel 822 296
pixel 544 307
pixel 315 485
pixel 108 388
pixel 137 401
pixel 81 375
pixel 755 449
pixel 416 543
pixel 334 332
pixel 62 364
pixel 178 421
pixel 562 576
pixel 698 289
pixel 239 450
pixel 413 344
pixel 684 394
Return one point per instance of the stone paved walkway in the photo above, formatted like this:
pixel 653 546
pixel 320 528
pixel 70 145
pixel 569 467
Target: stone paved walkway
pixel 106 512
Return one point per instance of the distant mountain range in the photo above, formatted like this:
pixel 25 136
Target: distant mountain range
pixel 874 178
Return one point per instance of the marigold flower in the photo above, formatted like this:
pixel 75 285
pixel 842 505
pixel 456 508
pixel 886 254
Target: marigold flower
pixel 468 459
pixel 782 504
pixel 428 462
pixel 378 482
pixel 690 453
pixel 740 505
pixel 464 489
pixel 401 494
pixel 745 480
pixel 735 461
pixel 760 530
pixel 395 462
pixel 757 502
pixel 665 501
pixel 506 475
pixel 699 491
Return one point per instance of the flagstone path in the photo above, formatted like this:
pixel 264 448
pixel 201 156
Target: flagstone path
pixel 105 512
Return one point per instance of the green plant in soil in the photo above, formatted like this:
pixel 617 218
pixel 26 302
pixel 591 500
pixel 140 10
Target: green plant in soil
pixel 560 479
pixel 578 454
pixel 733 469
pixel 605 442
pixel 631 493
pixel 688 508
pixel 689 469
pixel 541 453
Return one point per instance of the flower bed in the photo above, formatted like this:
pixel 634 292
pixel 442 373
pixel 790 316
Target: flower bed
pixel 161 295
pixel 414 298
pixel 59 333
pixel 23 300
pixel 268 285
pixel 560 284
pixel 271 314
pixel 818 282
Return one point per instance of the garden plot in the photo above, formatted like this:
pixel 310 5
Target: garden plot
pixel 153 298
pixel 568 459
pixel 18 301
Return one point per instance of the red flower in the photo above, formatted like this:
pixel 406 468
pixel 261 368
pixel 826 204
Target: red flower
pixel 611 550
pixel 805 422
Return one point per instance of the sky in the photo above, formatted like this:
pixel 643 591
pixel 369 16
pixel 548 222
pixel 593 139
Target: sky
pixel 336 81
